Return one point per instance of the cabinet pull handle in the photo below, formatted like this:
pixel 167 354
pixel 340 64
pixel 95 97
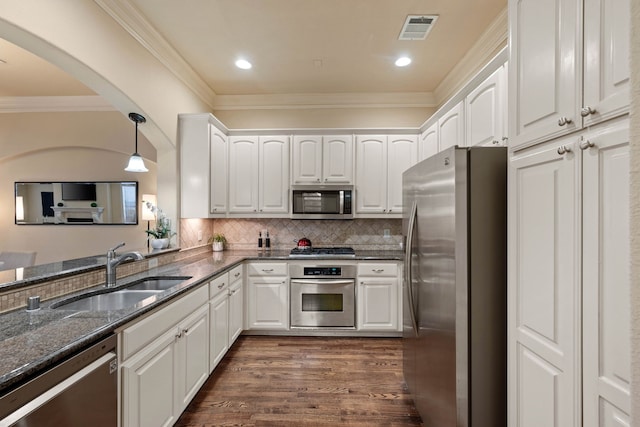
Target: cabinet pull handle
pixel 236 275
pixel 220 286
pixel 378 270
pixel 564 121
pixel 587 111
pixel 505 139
pixel 586 144
pixel 267 270
pixel 179 335
pixel 563 149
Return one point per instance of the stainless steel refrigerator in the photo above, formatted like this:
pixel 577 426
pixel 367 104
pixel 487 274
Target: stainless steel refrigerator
pixel 454 309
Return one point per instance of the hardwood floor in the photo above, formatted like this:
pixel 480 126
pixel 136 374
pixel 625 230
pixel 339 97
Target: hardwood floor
pixel 305 381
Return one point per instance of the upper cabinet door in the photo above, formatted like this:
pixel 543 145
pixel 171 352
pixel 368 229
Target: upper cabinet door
pixel 219 171
pixel 402 153
pixel 307 159
pixel 545 74
pixel 606 59
pixel 484 112
pixel 428 142
pixel 371 174
pixel 451 127
pixel 337 159
pixel 243 174
pixel 274 174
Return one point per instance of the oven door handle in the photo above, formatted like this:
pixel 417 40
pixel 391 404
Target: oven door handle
pixel 323 281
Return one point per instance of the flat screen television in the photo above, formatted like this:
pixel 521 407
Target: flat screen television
pixel 78 191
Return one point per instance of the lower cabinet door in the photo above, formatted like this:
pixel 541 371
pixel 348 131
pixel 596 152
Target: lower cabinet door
pixel 192 367
pixel 236 311
pixel 148 384
pixel 219 329
pixel 268 303
pixel 378 304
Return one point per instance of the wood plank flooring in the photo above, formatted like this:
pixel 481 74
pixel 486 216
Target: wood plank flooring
pixel 305 381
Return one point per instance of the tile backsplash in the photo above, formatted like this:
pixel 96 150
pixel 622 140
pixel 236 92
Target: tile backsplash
pixel 243 233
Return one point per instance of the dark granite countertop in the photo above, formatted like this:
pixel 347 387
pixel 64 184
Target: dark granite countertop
pixel 31 342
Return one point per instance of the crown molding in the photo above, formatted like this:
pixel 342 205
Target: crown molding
pixel 45 104
pixel 320 101
pixel 135 23
pixel 488 45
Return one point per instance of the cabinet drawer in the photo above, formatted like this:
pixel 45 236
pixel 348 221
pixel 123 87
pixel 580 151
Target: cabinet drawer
pixel 268 269
pixel 235 274
pixel 219 284
pixel 148 329
pixel 378 270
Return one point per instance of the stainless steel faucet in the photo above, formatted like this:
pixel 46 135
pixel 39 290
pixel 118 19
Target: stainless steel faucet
pixel 113 262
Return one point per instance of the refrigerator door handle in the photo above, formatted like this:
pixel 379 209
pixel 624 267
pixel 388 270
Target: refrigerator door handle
pixel 408 261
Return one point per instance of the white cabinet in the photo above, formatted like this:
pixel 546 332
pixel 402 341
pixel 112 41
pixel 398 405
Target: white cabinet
pixel 259 175
pixel 268 296
pixel 244 155
pixel 322 159
pixel 606 277
pixel 380 162
pixel 568 280
pixel 236 310
pixel 274 175
pixel 378 296
pixel 451 128
pixel 428 142
pixel 225 313
pixel 203 168
pixel 164 361
pixel 547 75
pixel 485 112
pixel 544 288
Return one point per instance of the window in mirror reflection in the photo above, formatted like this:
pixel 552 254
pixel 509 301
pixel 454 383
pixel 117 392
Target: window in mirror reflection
pixel 86 203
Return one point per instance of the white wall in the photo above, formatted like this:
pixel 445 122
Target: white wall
pixel 88 146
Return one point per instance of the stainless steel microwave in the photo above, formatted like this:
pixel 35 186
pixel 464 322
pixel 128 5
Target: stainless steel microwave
pixel 322 202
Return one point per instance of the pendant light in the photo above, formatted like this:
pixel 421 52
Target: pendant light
pixel 136 164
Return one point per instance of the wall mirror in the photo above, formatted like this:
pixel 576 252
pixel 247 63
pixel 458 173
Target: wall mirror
pixel 73 203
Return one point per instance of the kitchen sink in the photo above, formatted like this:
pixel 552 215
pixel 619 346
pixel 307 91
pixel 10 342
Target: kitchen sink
pixel 157 283
pixel 108 301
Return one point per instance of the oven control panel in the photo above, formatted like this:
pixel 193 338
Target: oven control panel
pixel 323 271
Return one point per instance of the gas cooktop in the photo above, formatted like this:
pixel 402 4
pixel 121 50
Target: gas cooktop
pixel 323 253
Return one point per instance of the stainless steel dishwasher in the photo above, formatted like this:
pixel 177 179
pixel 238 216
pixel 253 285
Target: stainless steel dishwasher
pixel 81 391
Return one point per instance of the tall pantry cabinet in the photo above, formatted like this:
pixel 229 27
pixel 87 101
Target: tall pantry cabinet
pixel 568 321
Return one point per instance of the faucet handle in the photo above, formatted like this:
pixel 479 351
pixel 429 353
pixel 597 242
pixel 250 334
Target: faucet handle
pixel 119 245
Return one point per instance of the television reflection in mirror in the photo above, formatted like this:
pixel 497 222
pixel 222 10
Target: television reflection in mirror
pixel 76 203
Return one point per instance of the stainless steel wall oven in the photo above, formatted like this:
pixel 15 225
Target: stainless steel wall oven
pixel 323 296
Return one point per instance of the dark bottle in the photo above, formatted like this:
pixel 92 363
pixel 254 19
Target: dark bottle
pixel 259 239
pixel 267 241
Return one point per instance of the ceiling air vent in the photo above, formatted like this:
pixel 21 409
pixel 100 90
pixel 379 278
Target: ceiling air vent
pixel 416 27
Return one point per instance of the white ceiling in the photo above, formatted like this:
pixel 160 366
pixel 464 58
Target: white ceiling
pixel 296 46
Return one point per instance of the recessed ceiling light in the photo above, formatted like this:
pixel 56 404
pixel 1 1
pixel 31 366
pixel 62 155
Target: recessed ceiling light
pixel 403 61
pixel 243 63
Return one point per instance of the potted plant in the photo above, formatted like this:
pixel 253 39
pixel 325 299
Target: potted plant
pixel 162 230
pixel 219 241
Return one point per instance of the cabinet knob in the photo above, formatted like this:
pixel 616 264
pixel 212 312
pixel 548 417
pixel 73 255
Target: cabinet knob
pixel 563 149
pixel 586 144
pixel 587 111
pixel 318 180
pixel 564 121
pixel 495 142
